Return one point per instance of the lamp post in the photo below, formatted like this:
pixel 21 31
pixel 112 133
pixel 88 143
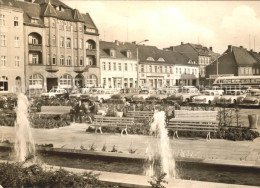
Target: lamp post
pixel 137 59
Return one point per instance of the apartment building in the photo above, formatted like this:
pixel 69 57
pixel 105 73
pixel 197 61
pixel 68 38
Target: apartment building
pixel 61 46
pixel 118 65
pixel 11 47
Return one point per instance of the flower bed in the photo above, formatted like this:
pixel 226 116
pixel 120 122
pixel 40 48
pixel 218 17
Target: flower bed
pixel 15 175
pixel 48 122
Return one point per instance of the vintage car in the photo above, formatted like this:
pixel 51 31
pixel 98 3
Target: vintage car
pixel 56 92
pixel 231 97
pixel 75 93
pixel 143 94
pixel 101 94
pixel 206 97
pixel 253 99
pixel 183 95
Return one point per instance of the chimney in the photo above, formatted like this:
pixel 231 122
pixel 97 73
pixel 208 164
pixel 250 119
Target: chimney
pixel 181 43
pixel 251 50
pixel 210 48
pixel 241 46
pixel 117 42
pixel 229 48
pixel 134 42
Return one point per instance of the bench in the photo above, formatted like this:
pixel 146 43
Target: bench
pixel 104 121
pixel 140 114
pixel 201 121
pixel 54 110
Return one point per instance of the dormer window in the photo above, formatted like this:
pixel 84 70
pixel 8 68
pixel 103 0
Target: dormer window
pixel 161 59
pixel 112 52
pixel 150 59
pixel 128 54
pixel 33 20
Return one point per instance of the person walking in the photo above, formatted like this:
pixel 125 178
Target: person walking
pixel 80 110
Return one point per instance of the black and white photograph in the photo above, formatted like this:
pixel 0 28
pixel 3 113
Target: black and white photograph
pixel 129 94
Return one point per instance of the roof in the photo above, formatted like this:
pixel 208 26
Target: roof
pixel 10 3
pixel 47 8
pixel 144 53
pixel 243 57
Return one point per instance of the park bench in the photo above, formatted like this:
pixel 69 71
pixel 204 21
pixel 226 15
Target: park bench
pixel 104 121
pixel 202 121
pixel 140 114
pixel 62 111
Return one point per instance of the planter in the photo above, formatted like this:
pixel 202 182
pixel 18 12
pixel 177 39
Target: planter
pixel 253 121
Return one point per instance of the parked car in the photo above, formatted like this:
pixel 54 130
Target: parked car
pixel 206 97
pixel 75 93
pixel 183 95
pixel 253 99
pixel 143 94
pixel 101 94
pixel 231 97
pixel 56 92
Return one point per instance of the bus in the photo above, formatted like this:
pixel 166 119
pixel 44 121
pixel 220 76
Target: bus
pixel 238 82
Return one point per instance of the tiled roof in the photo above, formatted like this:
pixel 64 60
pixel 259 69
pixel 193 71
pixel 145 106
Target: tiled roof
pixel 43 8
pixel 144 52
pixel 256 56
pixel 242 56
pixel 202 50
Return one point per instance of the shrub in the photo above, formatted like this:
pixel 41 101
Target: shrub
pixel 14 175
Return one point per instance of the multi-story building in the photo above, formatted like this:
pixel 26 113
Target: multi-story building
pixel 11 47
pixel 235 61
pixel 198 53
pixel 61 46
pixel 161 68
pixel 118 65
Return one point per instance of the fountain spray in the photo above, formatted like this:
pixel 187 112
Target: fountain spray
pixel 24 143
pixel 160 157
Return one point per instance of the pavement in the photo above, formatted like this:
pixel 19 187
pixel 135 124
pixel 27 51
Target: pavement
pixel 217 151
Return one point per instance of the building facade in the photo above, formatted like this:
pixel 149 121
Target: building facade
pixel 11 48
pixel 61 47
pixel 118 65
pixel 161 68
pixel 235 61
pixel 198 53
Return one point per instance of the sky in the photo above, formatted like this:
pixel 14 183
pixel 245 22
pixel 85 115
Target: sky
pixel 214 24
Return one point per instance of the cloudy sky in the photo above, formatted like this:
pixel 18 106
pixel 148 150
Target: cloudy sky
pixel 168 23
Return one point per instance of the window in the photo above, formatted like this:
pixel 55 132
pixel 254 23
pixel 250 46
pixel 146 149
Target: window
pixel 61 41
pixel 16 41
pixel 81 61
pixel 150 59
pixel 91 80
pixel 34 58
pixel 91 60
pixel 131 67
pixel 246 71
pixel 241 70
pixel 17 61
pixel 90 44
pixel 35 21
pixel 192 71
pixel 16 23
pixel 3 83
pixel 53 59
pixel 68 27
pixel 128 54
pixel 176 70
pixel 135 67
pixel 54 40
pixel 257 71
pixel 112 53
pixel 80 43
pixel 3 40
pixel 114 66
pixel 125 66
pixel 104 65
pixel 253 70
pixel 66 80
pixel 3 61
pixel 68 43
pixel 69 61
pixel 142 68
pixel 109 66
pixel 53 23
pixel 75 26
pixel 150 68
pixel 62 60
pixel 161 69
pixel 188 71
pixel 155 68
pixel 165 69
pixel 185 71
pixel 171 69
pixel 119 66
pixel 2 20
pixel 161 59
pixel 36 80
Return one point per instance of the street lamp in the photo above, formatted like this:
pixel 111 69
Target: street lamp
pixel 137 59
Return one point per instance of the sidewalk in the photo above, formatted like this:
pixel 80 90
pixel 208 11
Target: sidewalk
pixel 245 153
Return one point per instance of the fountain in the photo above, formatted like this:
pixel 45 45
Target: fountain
pixel 24 144
pixel 160 158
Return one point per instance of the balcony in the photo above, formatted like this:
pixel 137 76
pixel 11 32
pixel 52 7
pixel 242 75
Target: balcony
pixel 35 47
pixel 79 69
pixel 92 52
pixel 52 68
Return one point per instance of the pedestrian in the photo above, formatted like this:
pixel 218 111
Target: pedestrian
pixel 80 110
